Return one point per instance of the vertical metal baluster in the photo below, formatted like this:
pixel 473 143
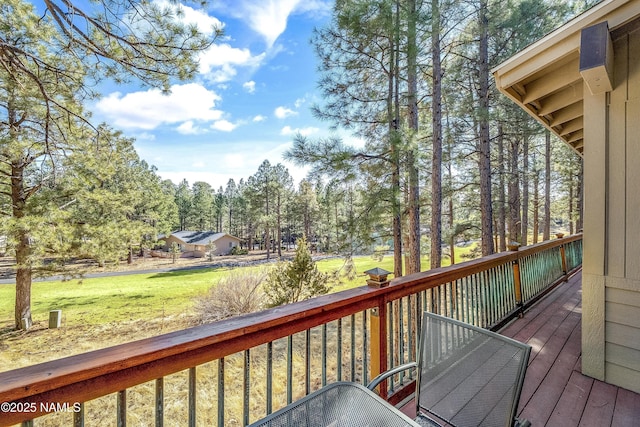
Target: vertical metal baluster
pixel 192 397
pixel 353 347
pixel 269 377
pixel 486 285
pixel 411 332
pixel 246 386
pixel 289 369
pixel 307 372
pixel 121 409
pixel 498 279
pixel 339 351
pixel 493 301
pixel 324 354
pixel 497 283
pixel 221 392
pixel 390 346
pixel 401 337
pixel 365 349
pixel 159 402
pixel 452 298
pixel 474 299
pixel 78 417
pixel 504 298
pixel 418 320
pixel 469 299
pixel 486 300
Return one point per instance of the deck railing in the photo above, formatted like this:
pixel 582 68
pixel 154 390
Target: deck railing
pixel 235 371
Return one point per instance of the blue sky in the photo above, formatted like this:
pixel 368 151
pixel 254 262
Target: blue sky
pixel 253 94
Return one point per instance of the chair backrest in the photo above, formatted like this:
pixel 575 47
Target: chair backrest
pixel 469 376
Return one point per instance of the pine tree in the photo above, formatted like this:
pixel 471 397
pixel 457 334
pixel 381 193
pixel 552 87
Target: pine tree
pixel 296 280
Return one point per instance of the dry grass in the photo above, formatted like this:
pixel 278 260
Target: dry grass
pixel 140 399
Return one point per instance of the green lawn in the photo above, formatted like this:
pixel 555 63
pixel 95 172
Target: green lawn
pixel 113 299
pixel 143 296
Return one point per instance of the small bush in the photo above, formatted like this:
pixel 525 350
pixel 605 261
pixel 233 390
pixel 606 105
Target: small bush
pixel 236 250
pixel 238 293
pixel 296 280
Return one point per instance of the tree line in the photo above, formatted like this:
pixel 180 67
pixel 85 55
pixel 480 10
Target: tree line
pixel 70 187
pixel 410 77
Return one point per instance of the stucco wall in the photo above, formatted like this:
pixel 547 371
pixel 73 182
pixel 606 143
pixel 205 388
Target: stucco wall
pixel 225 244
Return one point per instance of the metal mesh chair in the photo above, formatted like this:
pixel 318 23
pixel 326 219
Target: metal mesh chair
pixel 467 376
pixel 340 404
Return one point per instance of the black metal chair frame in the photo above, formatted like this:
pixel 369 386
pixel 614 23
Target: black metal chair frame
pixel 465 342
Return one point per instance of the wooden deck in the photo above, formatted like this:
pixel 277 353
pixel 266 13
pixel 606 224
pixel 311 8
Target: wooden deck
pixel 555 392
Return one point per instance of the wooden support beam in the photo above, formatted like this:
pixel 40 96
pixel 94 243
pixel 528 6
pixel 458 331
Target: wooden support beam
pixel 552 82
pixel 561 99
pixel 572 126
pixel 571 112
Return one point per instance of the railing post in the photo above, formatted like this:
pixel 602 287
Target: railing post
pixel 378 346
pixel 517 283
pixel 378 326
pixel 563 256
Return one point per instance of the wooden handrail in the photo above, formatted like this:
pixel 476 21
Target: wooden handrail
pixel 97 373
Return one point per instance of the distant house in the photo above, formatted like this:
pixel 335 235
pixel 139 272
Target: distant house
pixel 194 243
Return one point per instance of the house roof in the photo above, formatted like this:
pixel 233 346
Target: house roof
pixel 544 79
pixel 200 237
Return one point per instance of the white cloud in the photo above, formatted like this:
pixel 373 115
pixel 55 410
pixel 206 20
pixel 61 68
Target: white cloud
pixel 219 63
pixel 269 17
pixel 199 164
pixel 287 131
pixel 283 112
pixel 150 109
pixel 299 102
pixel 188 128
pixel 236 159
pixel 259 118
pixel 224 126
pixel 249 86
pixel 145 136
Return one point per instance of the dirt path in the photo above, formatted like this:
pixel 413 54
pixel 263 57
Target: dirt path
pixel 88 268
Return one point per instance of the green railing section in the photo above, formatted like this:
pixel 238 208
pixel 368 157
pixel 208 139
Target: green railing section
pixel 267 360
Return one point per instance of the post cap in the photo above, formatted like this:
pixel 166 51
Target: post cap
pixel 513 246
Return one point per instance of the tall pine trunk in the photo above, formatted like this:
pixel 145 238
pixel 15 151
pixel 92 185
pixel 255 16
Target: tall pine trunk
pixel 414 179
pixel 24 269
pixel 515 225
pixel 484 152
pixel 536 204
pixel 502 216
pixel 436 160
pixel 546 233
pixel 525 192
pixel 580 197
pixel 393 118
